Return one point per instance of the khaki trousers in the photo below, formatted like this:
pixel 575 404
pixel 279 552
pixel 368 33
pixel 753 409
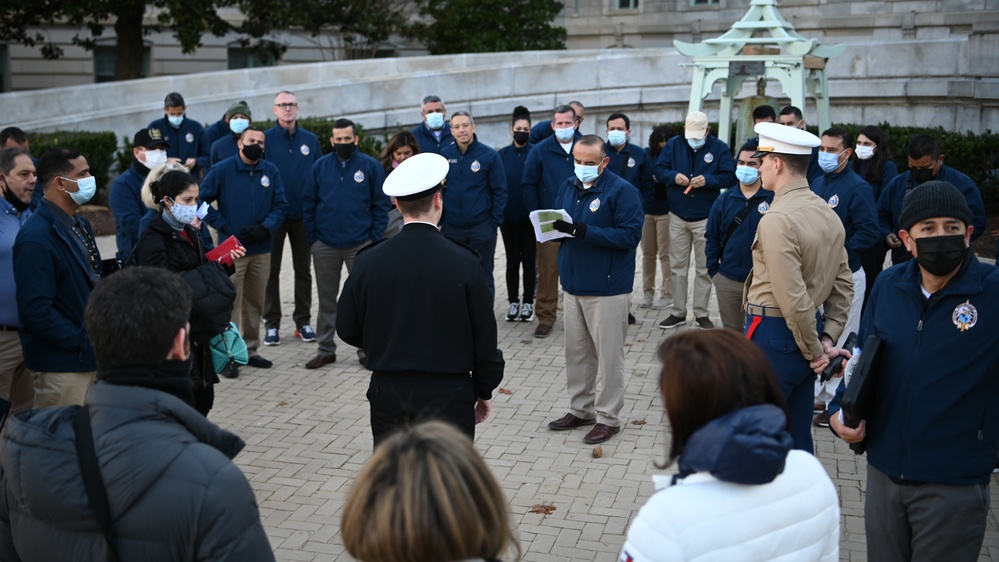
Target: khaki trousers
pixel 729 296
pixel 250 279
pixel 546 299
pixel 329 262
pixel 595 329
pixel 655 248
pixel 15 380
pixel 61 389
pixel 683 237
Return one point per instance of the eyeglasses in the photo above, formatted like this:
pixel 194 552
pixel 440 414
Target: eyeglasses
pixel 286 105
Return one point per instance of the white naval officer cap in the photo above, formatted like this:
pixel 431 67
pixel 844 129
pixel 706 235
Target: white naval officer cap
pixel 781 139
pixel 417 177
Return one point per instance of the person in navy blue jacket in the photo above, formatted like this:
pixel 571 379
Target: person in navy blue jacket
pixel 516 229
pixel 238 116
pixel 294 151
pixel 933 431
pixel 217 130
pixel 597 269
pixel 251 206
pixel 731 228
pixel 434 133
pixel 476 193
pixel 791 116
pixel 344 210
pixel 185 137
pixel 56 266
pixel 874 164
pixel 627 160
pixel 544 129
pixel 851 198
pixel 548 166
pixel 655 230
pixel 926 162
pixel 125 194
pixel 695 168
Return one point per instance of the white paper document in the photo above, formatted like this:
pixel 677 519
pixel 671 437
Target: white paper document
pixel 542 220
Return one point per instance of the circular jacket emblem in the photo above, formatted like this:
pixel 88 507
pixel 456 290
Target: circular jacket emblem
pixel 631 162
pixel 304 149
pixel 358 176
pixel 763 208
pixel 476 166
pixel 834 200
pixel 265 181
pixel 594 205
pixel 965 316
pixel 709 158
pixel 189 137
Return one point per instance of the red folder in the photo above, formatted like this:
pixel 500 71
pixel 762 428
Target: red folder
pixel 221 252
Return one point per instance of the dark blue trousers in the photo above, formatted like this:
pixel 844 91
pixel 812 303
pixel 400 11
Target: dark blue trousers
pixel 796 378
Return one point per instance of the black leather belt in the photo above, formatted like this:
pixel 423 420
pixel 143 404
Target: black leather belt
pixel 8 328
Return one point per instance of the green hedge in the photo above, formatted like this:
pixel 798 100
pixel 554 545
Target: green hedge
pixel 97 148
pixel 322 127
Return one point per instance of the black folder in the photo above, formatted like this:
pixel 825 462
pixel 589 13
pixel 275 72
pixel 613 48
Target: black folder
pixel 858 398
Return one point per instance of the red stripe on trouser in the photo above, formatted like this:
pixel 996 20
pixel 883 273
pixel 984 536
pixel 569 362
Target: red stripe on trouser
pixel 752 326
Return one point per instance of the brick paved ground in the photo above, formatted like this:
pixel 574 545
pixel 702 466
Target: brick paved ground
pixel 307 434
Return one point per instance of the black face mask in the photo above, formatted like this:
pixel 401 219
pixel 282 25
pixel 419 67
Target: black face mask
pixel 344 150
pixel 921 175
pixel 940 255
pixel 8 194
pixel 521 137
pixel 253 152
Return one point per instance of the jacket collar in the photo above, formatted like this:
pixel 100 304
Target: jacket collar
pixel 968 281
pixel 794 185
pixel 62 225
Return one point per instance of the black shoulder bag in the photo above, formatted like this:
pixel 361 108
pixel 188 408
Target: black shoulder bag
pixel 97 495
pixel 735 225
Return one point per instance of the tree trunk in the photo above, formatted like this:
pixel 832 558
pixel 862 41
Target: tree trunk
pixel 129 46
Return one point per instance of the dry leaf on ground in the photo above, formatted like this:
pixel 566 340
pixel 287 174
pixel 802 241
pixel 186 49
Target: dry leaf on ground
pixel 543 508
pixel 504 391
pixel 638 422
pixel 282 403
pixel 598 452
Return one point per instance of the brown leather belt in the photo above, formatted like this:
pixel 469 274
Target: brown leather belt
pixel 757 310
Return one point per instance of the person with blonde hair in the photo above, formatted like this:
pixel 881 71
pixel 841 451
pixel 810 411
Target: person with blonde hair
pixel 741 491
pixel 427 496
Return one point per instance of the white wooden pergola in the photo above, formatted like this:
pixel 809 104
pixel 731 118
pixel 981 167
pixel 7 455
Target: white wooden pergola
pixel 746 51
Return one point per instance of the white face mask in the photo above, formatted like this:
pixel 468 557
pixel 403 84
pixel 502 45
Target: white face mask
pixel 155 158
pixel 865 152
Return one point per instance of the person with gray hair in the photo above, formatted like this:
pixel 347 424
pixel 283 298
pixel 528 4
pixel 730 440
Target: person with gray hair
pixel 434 133
pixel 17 183
pixel 596 265
pixel 476 194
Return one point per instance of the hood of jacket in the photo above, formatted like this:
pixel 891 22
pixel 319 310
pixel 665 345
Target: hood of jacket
pixel 747 446
pixel 138 433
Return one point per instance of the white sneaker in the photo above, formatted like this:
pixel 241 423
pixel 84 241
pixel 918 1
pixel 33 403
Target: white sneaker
pixel 646 301
pixel 662 303
pixel 526 312
pixel 514 312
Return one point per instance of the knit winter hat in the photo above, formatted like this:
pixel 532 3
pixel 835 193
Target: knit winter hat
pixel 933 199
pixel 241 108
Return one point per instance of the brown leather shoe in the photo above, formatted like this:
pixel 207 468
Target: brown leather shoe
pixel 321 360
pixel 542 330
pixel 600 433
pixel 569 421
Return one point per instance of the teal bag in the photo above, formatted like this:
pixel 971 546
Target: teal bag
pixel 228 347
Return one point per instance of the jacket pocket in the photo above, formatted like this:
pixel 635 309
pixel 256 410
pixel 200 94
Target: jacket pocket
pixel 784 345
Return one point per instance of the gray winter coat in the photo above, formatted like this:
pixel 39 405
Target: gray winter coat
pixel 174 493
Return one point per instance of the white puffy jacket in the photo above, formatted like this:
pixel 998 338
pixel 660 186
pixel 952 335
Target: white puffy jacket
pixel 700 518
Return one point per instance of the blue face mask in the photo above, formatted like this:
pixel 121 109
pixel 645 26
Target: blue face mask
pixel 587 174
pixel 565 135
pixel 696 144
pixel 435 120
pixel 87 187
pixel 747 175
pixel 238 125
pixel 617 138
pixel 828 161
pixel 175 120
